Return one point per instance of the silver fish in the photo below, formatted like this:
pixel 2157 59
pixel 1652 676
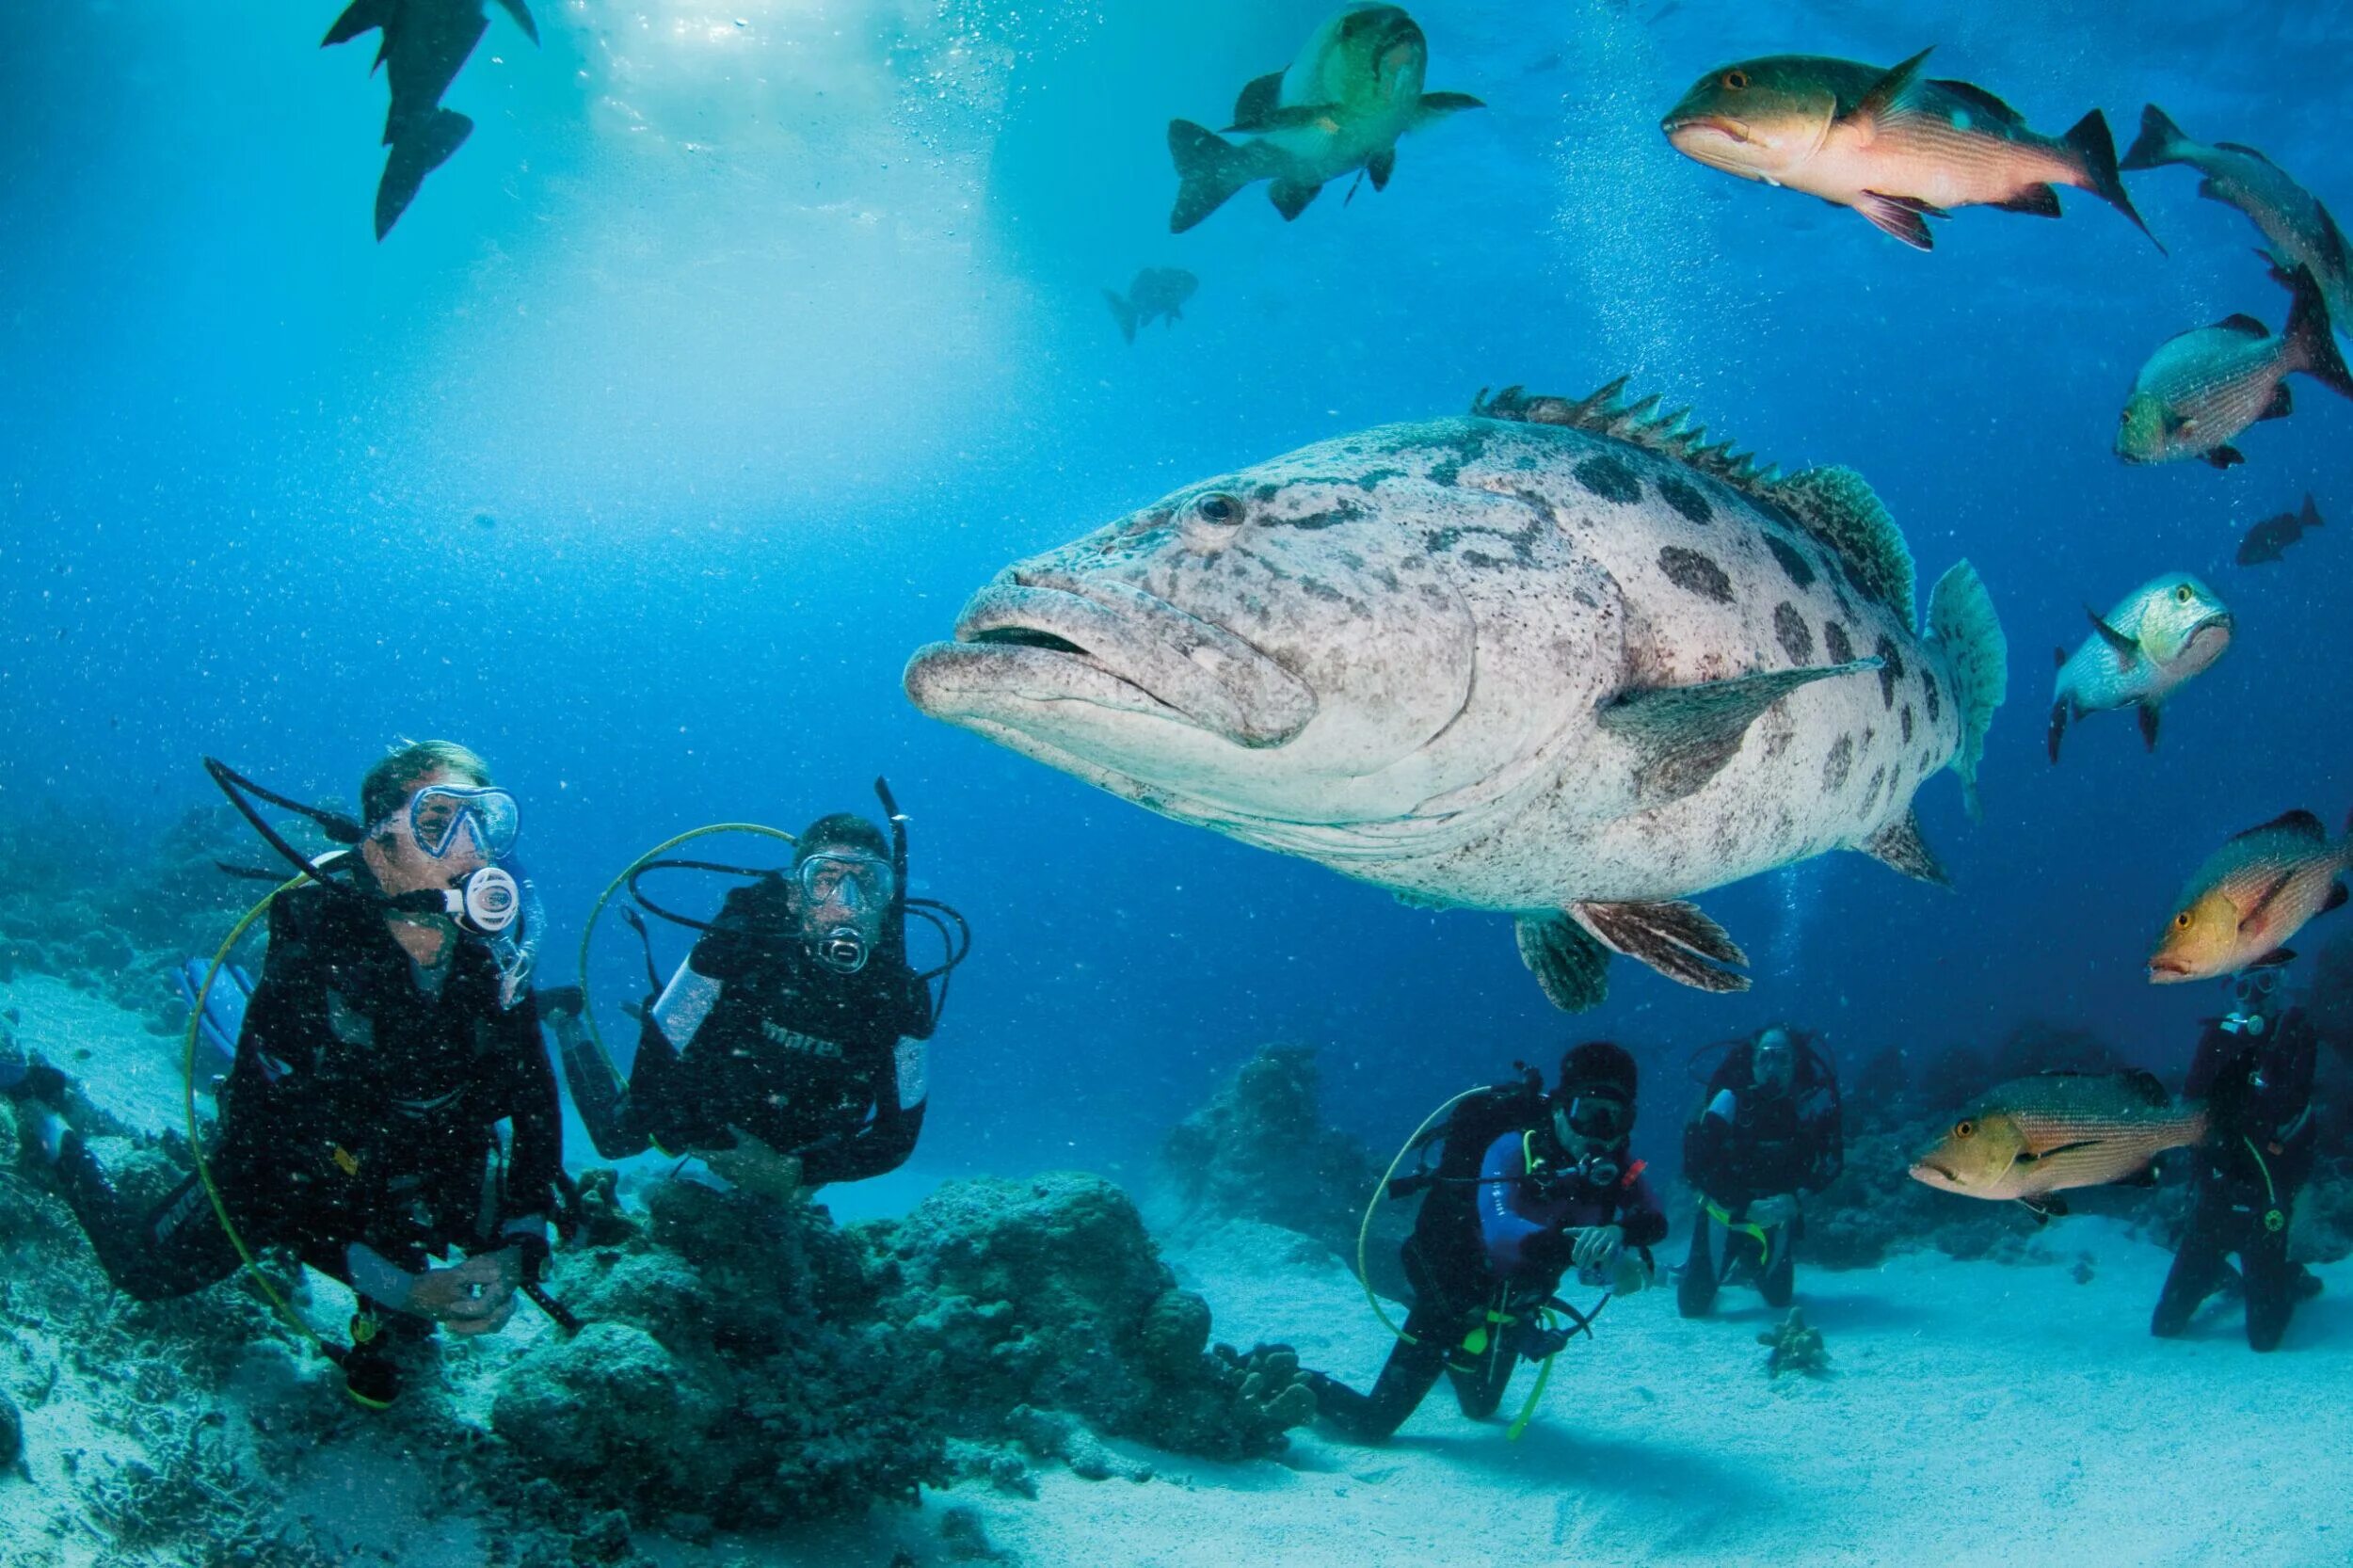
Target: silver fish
pixel 1559 659
pixel 2159 636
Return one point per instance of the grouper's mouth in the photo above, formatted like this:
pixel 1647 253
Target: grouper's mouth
pixel 1023 650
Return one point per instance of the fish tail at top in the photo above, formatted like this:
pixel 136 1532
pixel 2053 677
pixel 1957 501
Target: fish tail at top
pixel 1963 622
pixel 2088 139
pixel 2312 342
pixel 2160 141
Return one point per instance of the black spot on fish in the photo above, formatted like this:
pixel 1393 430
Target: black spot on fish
pixel 1691 570
pixel 1778 743
pixel 1935 699
pixel 1445 473
pixel 1872 795
pixel 1339 511
pixel 1585 598
pixel 1792 563
pixel 1373 476
pixel 1834 638
pixel 1906 716
pixel 1890 671
pixel 1480 560
pixel 1266 492
pixel 1789 626
pixel 1323 591
pixel 1609 479
pixel 1837 765
pixel 1685 498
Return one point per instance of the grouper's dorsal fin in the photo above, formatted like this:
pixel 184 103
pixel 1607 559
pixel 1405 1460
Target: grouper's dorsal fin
pixel 1832 505
pixel 1608 413
pixel 1839 508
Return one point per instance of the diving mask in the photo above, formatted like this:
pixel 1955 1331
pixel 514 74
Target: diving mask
pixel 846 881
pixel 440 816
pixel 2256 994
pixel 1600 1118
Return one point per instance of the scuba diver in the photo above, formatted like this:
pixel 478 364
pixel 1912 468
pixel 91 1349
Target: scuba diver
pixel 387 1036
pixel 2254 1072
pixel 1527 1186
pixel 1770 1132
pixel 788 1050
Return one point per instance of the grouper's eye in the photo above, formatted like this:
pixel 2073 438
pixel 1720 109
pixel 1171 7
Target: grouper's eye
pixel 1735 80
pixel 1217 509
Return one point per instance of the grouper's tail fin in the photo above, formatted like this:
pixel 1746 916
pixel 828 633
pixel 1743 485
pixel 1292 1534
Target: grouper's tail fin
pixel 1962 623
pixel 2160 141
pixel 1209 170
pixel 1122 313
pixel 2088 139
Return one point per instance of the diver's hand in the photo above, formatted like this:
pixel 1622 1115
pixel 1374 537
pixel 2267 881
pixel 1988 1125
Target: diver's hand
pixel 755 1167
pixel 1630 1277
pixel 1598 1249
pixel 1773 1211
pixel 474 1297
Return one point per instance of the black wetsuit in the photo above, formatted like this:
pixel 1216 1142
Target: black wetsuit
pixel 362 1111
pixel 1751 1143
pixel 2257 1154
pixel 810 1062
pixel 1488 1249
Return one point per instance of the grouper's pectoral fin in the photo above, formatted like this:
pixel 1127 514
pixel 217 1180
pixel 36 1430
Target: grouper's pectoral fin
pixel 1673 938
pixel 1573 968
pixel 1684 735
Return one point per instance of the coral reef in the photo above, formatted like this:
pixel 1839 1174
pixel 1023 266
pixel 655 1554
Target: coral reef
pixel 1049 1294
pixel 1260 1150
pixel 1795 1348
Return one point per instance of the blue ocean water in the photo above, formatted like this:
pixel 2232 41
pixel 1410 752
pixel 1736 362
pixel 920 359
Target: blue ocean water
pixel 741 342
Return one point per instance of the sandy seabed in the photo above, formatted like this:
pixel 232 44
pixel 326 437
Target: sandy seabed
pixel 1976 1413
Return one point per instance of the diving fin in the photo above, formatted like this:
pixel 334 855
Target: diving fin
pixel 1673 938
pixel 1684 735
pixel 1570 966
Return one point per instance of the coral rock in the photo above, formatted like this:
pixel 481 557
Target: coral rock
pixel 1795 1348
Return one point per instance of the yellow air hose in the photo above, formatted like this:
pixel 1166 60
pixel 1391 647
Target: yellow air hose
pixel 1363 1231
pixel 596 911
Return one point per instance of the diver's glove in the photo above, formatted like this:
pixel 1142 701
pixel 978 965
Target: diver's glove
pixel 1596 1252
pixel 1630 1276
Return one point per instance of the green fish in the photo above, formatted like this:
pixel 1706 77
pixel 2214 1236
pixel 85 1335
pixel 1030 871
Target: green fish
pixel 2141 653
pixel 1897 147
pixel 2251 896
pixel 2298 227
pixel 2200 389
pixel 1340 106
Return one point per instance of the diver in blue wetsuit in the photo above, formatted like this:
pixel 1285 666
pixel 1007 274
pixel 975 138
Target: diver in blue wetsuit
pixel 1528 1186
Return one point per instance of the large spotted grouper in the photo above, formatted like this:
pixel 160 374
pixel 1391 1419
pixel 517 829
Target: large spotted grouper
pixel 1558 659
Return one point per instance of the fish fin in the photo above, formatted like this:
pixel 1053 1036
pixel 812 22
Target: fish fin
pixel 413 157
pixel 2147 1085
pixel 1571 966
pixel 1436 104
pixel 1257 100
pixel 2299 822
pixel 2262 902
pixel 2126 648
pixel 2250 152
pixel 2088 139
pixel 521 13
pixel 2045 1208
pixel 1295 116
pixel 361 16
pixel 2060 714
pixel 1290 199
pixel 2148 719
pixel 2244 325
pixel 1981 101
pixel 1209 170
pixel 2037 200
pixel 1684 735
pixel 1123 313
pixel 2145 1176
pixel 1838 507
pixel 2058 658
pixel 1883 94
pixel 2276 959
pixel 2160 141
pixel 2312 342
pixel 1963 622
pixel 2282 403
pixel 1895 216
pixel 1380 165
pixel 1673 938
pixel 2337 897
pixel 1899 846
pixel 2225 456
pixel 2310 517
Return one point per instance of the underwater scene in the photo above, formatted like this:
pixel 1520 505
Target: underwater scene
pixel 816 783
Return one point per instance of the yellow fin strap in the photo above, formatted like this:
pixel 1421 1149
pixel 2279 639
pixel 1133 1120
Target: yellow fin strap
pixel 1762 1236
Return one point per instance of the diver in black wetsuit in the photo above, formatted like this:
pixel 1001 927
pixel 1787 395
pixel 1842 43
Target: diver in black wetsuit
pixel 2254 1070
pixel 1527 1186
pixel 1770 1133
pixel 788 1050
pixel 380 1052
